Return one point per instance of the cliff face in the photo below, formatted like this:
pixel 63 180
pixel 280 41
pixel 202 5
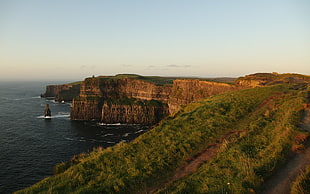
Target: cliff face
pixel 103 99
pixel 136 101
pixel 187 91
pixel 53 90
pixel 86 109
pixel 143 90
pixel 65 92
pixel 91 87
pixel 142 114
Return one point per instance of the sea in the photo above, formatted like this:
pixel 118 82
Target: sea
pixel 30 146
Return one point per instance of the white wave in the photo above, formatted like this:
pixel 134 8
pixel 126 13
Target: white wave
pixel 108 134
pixel 18 99
pixel 140 131
pixel 126 134
pixel 36 97
pixel 55 116
pixel 110 124
pixel 116 124
pixel 61 116
pixel 111 142
pixel 70 139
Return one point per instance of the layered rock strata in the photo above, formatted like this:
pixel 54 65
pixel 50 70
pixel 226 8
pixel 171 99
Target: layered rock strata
pixel 65 92
pixel 136 101
pixel 86 109
pixel 132 99
pixel 187 91
pixel 142 114
pixel 103 99
pixel 53 90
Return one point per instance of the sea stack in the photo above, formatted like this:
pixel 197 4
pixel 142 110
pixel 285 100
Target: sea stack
pixel 47 112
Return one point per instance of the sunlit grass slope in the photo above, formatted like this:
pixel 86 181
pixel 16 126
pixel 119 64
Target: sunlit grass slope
pixel 267 114
pixel 243 163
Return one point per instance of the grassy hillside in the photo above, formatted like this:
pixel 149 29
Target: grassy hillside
pixel 266 118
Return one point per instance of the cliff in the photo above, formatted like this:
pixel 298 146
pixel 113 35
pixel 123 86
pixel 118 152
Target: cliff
pixel 125 100
pixel 142 112
pixel 187 91
pixel 53 90
pixel 86 109
pixel 64 92
pixel 267 79
pixel 102 98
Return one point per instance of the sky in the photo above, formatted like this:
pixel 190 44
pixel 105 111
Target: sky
pixel 74 39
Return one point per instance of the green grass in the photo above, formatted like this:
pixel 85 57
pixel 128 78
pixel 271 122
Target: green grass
pixel 151 159
pixel 246 161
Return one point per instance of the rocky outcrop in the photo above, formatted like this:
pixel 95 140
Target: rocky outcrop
pixel 187 91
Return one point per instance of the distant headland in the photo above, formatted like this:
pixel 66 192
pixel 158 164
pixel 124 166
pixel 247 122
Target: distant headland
pixel 136 99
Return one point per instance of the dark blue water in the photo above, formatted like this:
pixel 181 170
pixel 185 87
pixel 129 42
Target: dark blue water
pixel 30 146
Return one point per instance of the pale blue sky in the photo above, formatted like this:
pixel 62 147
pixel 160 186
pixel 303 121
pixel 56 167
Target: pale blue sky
pixel 74 39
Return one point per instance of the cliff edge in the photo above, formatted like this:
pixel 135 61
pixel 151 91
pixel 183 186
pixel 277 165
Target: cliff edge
pixel 135 99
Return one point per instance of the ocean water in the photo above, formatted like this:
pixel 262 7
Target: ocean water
pixel 30 146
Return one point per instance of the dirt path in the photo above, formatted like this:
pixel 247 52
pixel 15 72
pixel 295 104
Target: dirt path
pixel 192 164
pixel 281 181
